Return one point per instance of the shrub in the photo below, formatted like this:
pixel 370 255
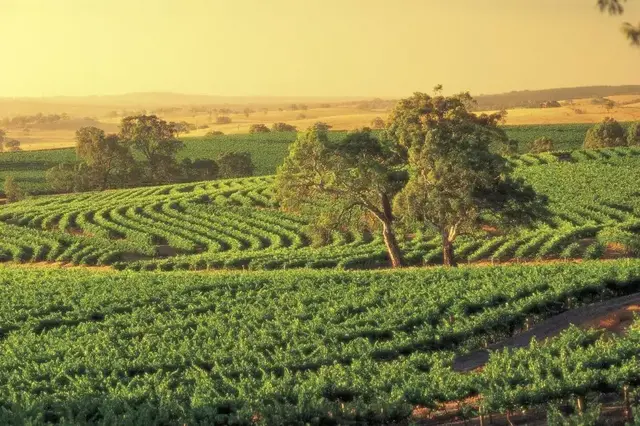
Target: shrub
pixel 543 144
pixel 633 137
pixel 223 119
pixel 283 127
pixel 235 164
pixel 12 190
pixel 214 133
pixel 609 133
pixel 377 123
pixel 258 128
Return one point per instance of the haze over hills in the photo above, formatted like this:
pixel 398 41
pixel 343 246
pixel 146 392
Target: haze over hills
pixel 102 104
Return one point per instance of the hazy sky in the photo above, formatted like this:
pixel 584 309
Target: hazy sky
pixel 309 47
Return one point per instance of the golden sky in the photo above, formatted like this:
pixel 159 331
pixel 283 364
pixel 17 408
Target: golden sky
pixel 309 47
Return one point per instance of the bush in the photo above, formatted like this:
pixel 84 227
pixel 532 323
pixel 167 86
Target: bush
pixel 12 190
pixel 199 169
pixel 258 128
pixel 223 119
pixel 633 137
pixel 543 144
pixel 609 133
pixel 283 127
pixel 235 164
pixel 214 133
pixel 595 251
pixel 377 123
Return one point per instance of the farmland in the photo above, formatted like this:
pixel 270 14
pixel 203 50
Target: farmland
pixel 297 347
pixel 235 223
pixel 267 151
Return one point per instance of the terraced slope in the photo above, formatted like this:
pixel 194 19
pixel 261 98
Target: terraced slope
pixel 235 223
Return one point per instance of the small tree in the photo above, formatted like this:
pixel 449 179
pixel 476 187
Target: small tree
pixel 181 127
pixel 155 140
pixel 321 126
pixel 235 164
pixel 247 112
pixel 609 133
pixel 258 128
pixel 62 178
pixel 301 116
pixel 377 123
pixel 283 127
pixel 107 158
pixel 12 190
pixel 199 169
pixel 12 145
pixel 633 137
pixel 223 119
pixel 340 183
pixel 543 144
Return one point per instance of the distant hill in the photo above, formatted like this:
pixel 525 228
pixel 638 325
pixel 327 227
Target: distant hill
pixel 533 98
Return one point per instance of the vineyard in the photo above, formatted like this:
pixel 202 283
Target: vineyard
pixel 267 151
pixel 299 347
pixel 235 224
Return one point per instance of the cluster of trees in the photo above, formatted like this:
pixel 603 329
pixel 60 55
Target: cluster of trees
pixel 431 169
pixel 21 121
pixel 7 144
pixel 298 107
pixel 275 127
pixel 143 153
pixel 610 133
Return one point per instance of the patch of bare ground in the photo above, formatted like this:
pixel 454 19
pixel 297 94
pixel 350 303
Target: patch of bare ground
pixel 615 251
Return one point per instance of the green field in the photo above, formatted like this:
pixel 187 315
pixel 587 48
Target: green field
pixel 267 151
pixel 236 224
pixel 296 347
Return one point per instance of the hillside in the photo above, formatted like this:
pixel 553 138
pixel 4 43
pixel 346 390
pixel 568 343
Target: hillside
pixel 234 224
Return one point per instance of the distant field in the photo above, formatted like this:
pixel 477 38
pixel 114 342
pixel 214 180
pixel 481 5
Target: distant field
pixel 267 151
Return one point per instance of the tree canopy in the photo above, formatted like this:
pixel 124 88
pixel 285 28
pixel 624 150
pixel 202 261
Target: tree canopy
pixel 342 182
pixel 615 7
pixel 457 183
pixel 609 133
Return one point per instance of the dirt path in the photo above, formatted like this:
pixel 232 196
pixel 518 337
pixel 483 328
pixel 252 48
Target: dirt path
pixel 585 315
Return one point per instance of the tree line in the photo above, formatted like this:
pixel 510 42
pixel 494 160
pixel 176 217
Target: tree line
pixel 144 152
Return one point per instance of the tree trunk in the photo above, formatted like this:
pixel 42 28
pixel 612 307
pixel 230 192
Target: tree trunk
pixel 392 245
pixel 448 258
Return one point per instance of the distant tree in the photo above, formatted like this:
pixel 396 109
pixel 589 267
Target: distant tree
pixel 614 7
pixel 235 164
pixel 633 136
pixel 247 112
pixel 12 191
pixel 12 145
pixel 293 107
pixel 280 109
pixel 181 127
pixel 325 105
pixel 199 169
pixel 265 110
pixel 223 119
pixel 203 126
pixel 456 182
pixel 258 128
pixel 283 127
pixel 550 104
pixel 341 183
pixel 609 133
pixel 301 116
pixel 609 105
pixel 156 141
pixel 213 133
pixel 510 147
pixel 321 126
pixel 303 107
pixel 377 123
pixel 543 144
pixel 225 111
